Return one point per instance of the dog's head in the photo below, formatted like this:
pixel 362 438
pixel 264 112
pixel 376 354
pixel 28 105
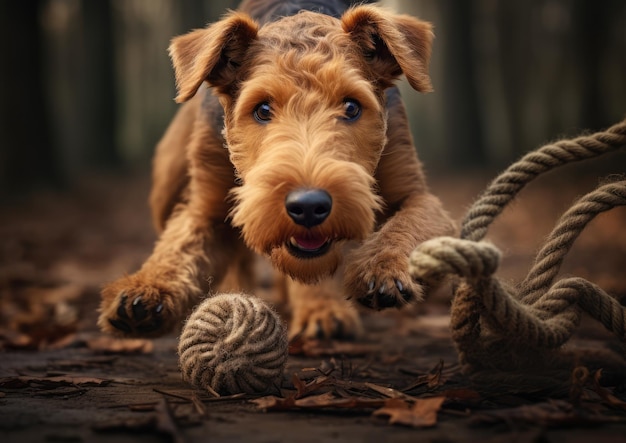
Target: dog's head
pixel 305 121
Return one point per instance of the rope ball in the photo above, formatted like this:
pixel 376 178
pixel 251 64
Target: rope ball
pixel 233 343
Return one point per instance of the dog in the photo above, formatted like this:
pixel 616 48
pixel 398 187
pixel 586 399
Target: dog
pixel 292 142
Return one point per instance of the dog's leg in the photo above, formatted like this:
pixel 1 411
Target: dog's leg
pixel 170 165
pixel 241 276
pixel 186 260
pixel 377 272
pixel 322 311
pixel 193 252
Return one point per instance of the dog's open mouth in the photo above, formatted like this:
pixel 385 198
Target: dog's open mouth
pixel 308 247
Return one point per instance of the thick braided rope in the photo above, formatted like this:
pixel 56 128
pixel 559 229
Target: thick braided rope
pixel 597 303
pixel 550 257
pixel 439 257
pixel 512 336
pixel 483 296
pixel 495 359
pixel 552 316
pixel 547 317
pixel 233 343
pixel 506 186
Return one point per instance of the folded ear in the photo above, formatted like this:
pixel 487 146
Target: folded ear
pixel 212 54
pixel 392 44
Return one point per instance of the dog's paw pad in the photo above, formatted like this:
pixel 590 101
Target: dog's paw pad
pixel 139 316
pixel 386 299
pixel 120 325
pixel 406 293
pixel 390 292
pixel 139 309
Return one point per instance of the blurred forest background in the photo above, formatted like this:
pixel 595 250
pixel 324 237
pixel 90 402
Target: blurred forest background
pixel 86 91
pixel 86 86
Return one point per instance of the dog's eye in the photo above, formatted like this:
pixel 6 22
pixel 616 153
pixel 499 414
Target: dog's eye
pixel 351 110
pixel 263 112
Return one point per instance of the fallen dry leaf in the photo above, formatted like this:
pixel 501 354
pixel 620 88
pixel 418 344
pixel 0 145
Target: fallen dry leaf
pixel 303 389
pixel 24 381
pixel 322 401
pixel 423 413
pixel 316 401
pixel 273 403
pixel 110 345
pixel 328 400
pixel 36 307
pixel 37 336
pixel 432 380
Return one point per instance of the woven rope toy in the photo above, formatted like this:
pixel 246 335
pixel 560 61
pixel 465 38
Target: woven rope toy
pixel 233 343
pixel 499 329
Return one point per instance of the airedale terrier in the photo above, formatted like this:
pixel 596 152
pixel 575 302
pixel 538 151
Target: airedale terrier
pixel 293 142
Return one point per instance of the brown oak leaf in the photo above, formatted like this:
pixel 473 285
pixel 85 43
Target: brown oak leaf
pixel 423 413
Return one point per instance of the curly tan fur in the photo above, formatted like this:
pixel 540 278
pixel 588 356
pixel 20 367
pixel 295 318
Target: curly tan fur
pixel 221 176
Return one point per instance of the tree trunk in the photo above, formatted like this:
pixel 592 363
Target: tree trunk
pixel 27 151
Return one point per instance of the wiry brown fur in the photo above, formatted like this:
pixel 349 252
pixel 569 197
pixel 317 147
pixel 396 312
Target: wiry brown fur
pixel 220 177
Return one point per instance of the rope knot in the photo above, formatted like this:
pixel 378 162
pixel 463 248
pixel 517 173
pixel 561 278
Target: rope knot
pixel 500 327
pixel 439 257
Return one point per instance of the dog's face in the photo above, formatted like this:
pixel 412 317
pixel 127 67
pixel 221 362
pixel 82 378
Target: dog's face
pixel 305 122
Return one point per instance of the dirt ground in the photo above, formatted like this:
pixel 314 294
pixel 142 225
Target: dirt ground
pixel 62 381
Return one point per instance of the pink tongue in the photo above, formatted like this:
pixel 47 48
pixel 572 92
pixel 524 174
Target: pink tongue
pixel 310 243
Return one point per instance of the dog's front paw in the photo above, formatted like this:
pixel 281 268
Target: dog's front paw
pixel 381 281
pixel 325 318
pixel 132 307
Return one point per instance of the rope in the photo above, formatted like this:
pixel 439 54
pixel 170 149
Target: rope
pixel 502 328
pixel 570 226
pixel 506 186
pixel 233 343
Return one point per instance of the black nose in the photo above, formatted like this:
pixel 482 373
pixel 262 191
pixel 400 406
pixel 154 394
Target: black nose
pixel 308 207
